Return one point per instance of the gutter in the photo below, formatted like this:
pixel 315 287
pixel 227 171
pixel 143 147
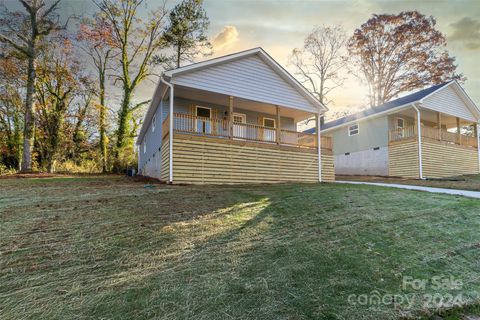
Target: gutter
pixel 170 134
pixel 319 146
pixel 478 145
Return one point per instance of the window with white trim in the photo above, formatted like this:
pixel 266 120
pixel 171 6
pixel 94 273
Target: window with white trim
pixel 400 122
pixel 144 146
pixel 269 123
pixel 154 121
pixel 353 130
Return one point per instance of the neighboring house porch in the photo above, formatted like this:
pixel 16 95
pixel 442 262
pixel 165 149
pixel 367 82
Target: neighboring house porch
pixel 432 133
pixel 449 144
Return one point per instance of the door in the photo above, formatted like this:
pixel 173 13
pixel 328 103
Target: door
pixel 239 128
pixel 269 132
pixel 203 122
pixel 400 124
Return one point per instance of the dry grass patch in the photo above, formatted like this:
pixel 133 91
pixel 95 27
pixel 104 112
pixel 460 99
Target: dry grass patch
pixel 110 247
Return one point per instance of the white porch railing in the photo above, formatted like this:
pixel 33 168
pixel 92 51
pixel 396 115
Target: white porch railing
pixel 186 123
pixel 432 133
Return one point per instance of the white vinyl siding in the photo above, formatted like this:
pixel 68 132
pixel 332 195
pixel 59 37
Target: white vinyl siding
pixel 448 101
pixel 249 78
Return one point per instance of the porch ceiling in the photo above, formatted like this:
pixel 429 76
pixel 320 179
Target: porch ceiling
pixel 239 103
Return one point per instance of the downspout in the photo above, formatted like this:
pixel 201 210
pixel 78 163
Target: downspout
pixel 319 149
pixel 170 133
pixel 419 133
pixel 478 145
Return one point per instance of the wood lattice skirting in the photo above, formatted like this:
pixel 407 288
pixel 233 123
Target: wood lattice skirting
pixel 206 160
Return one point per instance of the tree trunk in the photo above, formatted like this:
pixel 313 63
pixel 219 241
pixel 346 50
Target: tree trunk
pixel 54 141
pixel 17 140
pixel 102 124
pixel 123 130
pixel 178 57
pixel 29 116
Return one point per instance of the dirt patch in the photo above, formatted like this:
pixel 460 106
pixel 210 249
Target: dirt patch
pixel 32 175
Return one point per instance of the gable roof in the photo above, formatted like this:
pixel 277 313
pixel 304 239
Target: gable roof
pixel 410 99
pixel 251 74
pixel 279 86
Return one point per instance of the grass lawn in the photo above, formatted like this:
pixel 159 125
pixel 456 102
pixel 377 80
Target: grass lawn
pixel 112 248
pixel 466 182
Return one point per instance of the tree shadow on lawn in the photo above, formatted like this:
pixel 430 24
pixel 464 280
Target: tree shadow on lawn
pixel 58 249
pixel 300 252
pixel 248 252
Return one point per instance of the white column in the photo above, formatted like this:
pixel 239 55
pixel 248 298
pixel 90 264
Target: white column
pixel 319 147
pixel 478 145
pixel 419 133
pixel 170 176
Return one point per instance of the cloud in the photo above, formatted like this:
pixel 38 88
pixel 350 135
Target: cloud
pixel 226 38
pixel 467 31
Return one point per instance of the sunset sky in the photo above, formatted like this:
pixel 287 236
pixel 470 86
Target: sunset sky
pixel 280 26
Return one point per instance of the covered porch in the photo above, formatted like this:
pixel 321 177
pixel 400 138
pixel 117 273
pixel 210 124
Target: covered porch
pixel 209 137
pixel 202 113
pixel 425 143
pixel 434 126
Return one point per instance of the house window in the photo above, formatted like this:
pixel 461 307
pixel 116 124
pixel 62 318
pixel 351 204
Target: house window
pixel 269 123
pixel 204 112
pixel 400 123
pixel 203 123
pixel 353 130
pixel 154 120
pixel 144 146
pixel 239 118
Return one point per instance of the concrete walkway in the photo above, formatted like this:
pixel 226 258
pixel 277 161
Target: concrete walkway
pixel 465 193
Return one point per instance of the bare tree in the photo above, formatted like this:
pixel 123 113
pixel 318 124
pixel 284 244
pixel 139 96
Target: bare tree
pixel 400 53
pixel 23 31
pixel 319 62
pixel 137 41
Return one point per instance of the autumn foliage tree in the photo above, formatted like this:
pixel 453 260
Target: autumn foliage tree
pixel 11 111
pixel 59 80
pixel 400 53
pixel 23 31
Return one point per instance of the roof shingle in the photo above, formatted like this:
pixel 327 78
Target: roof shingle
pixel 408 99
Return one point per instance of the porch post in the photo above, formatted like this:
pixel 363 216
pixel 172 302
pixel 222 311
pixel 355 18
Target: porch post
pixel 319 145
pixel 419 133
pixel 230 117
pixel 458 131
pixel 278 125
pixel 477 130
pixel 439 123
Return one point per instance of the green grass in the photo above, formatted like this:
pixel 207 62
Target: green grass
pixel 111 248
